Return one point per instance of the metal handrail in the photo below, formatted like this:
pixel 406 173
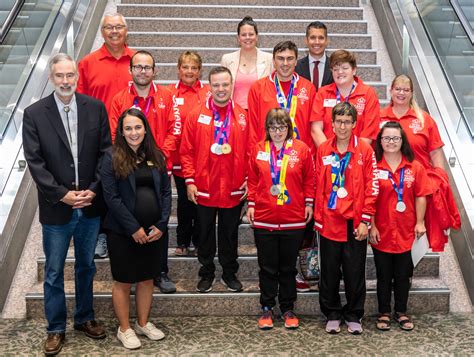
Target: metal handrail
pixel 463 19
pixel 10 19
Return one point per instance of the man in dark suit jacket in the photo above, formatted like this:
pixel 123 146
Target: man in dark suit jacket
pixel 64 138
pixel 317 41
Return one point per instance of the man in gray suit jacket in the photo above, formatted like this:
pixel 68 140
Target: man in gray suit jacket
pixel 64 138
pixel 317 41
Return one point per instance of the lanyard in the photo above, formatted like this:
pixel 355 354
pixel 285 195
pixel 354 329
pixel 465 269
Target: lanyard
pixel 399 189
pixel 222 132
pixel 338 168
pixel 288 103
pixel 338 94
pixel 279 177
pixel 147 106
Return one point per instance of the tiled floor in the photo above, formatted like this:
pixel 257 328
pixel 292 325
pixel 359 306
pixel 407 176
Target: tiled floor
pixel 224 336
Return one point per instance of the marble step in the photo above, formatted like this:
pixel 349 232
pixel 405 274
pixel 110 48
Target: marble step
pixel 426 296
pixel 351 3
pixel 368 73
pixel 223 39
pixel 186 267
pixel 214 54
pixel 239 11
pixel 162 24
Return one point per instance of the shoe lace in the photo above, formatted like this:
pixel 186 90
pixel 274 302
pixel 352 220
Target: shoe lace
pixel 289 315
pixel 267 314
pixel 102 243
pixel 165 277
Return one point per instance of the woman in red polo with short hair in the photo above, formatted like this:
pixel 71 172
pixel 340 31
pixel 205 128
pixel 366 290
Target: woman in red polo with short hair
pixel 398 220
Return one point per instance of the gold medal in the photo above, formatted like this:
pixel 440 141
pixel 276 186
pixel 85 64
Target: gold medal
pixel 226 149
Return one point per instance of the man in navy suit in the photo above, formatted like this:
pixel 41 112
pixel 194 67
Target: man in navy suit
pixel 64 138
pixel 315 66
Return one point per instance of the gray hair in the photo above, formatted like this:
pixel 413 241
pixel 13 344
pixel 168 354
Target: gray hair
pixel 60 57
pixel 112 14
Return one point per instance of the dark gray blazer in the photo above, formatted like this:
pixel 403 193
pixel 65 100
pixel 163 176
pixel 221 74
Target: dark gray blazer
pixel 120 197
pixel 302 68
pixel 50 160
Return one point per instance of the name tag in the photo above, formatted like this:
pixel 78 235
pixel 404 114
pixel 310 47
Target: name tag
pixel 264 156
pixel 383 174
pixel 179 101
pixel 328 160
pixel 204 119
pixel 329 103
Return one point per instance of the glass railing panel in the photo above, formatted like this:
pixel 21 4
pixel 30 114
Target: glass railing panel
pixel 454 50
pixel 19 51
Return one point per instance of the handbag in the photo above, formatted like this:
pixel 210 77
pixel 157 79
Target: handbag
pixel 309 260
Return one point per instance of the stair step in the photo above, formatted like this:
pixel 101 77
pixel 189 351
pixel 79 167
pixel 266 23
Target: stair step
pixel 214 54
pixel 426 296
pixel 349 3
pixel 163 24
pixel 223 39
pixel 186 267
pixel 239 11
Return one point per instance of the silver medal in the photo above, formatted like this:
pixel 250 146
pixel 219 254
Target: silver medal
pixel 213 147
pixel 219 150
pixel 275 190
pixel 341 192
pixel 401 206
pixel 281 99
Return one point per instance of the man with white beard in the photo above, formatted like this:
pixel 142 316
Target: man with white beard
pixel 64 138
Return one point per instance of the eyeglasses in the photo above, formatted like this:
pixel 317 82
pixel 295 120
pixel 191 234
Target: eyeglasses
pixel 402 90
pixel 109 28
pixel 279 129
pixel 345 122
pixel 139 68
pixel 395 139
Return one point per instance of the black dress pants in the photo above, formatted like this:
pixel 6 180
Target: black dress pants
pixel 277 252
pixel 227 240
pixel 393 270
pixel 350 256
pixel 186 211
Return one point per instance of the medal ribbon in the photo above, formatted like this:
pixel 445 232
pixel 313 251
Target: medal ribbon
pixel 222 132
pixel 147 106
pixel 279 174
pixel 399 189
pixel 337 177
pixel 338 94
pixel 288 103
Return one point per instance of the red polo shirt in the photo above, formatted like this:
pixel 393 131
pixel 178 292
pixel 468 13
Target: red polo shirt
pixel 102 76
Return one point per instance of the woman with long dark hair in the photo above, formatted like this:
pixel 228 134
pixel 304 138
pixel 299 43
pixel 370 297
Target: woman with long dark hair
pixel 138 195
pixel 398 221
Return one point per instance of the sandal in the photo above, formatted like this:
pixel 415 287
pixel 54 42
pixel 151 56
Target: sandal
pixel 383 322
pixel 181 251
pixel 405 323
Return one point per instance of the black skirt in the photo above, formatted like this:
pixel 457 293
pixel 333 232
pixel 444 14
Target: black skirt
pixel 132 262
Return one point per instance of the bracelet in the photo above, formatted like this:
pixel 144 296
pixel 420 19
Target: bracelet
pixel 308 204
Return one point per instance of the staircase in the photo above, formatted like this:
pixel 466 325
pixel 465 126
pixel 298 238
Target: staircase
pixel 167 29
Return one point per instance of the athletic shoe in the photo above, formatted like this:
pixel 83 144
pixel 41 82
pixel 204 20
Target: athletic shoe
pixel 233 284
pixel 301 285
pixel 129 339
pixel 101 251
pixel 354 328
pixel 205 285
pixel 291 321
pixel 333 326
pixel 265 322
pixel 150 331
pixel 165 284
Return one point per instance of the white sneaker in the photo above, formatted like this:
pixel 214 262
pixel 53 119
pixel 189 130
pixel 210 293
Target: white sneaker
pixel 150 331
pixel 129 339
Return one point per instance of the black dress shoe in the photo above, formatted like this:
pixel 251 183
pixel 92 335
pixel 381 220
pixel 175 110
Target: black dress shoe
pixel 92 329
pixel 53 344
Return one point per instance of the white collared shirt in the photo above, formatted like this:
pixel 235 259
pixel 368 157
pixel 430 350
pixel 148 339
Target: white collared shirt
pixel 321 65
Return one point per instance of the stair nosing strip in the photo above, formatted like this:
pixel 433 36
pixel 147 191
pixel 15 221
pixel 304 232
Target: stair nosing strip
pixel 368 50
pixel 219 6
pixel 172 33
pixel 146 18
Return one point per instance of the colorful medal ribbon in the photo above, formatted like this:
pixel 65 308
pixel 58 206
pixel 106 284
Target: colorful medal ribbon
pixel 338 168
pixel 279 173
pixel 147 106
pixel 399 189
pixel 223 132
pixel 288 103
pixel 338 94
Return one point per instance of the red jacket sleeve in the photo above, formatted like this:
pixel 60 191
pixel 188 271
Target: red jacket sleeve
pixel 254 115
pixel 115 112
pixel 372 115
pixel 252 180
pixel 82 86
pixel 308 177
pixel 371 190
pixel 186 151
pixel 173 131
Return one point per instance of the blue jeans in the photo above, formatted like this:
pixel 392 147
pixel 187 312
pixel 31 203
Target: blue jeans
pixel 56 239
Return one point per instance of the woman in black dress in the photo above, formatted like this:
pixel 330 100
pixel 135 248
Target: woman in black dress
pixel 138 194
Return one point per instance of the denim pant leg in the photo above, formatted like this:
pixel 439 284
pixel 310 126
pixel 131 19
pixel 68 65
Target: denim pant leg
pixel 85 239
pixel 56 239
